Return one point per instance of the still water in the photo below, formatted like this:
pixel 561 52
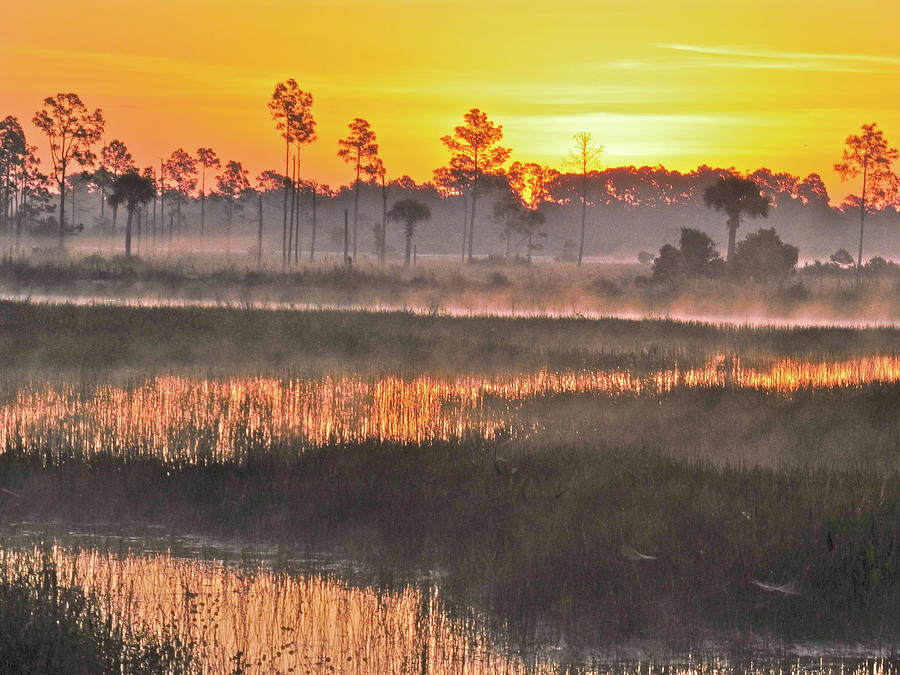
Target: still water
pixel 271 614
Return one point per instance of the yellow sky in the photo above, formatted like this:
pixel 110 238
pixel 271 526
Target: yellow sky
pixel 677 82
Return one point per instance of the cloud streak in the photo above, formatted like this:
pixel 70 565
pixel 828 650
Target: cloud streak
pixel 723 56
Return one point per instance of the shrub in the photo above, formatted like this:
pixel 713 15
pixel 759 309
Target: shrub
pixel 763 256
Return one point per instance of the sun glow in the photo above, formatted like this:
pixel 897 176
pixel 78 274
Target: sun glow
pixel 679 84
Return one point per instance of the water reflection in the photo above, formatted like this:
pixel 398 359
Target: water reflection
pixel 198 420
pixel 274 622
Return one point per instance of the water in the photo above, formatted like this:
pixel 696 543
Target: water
pixel 276 614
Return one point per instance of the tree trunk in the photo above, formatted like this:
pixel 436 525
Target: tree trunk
pixel 312 243
pixel 62 209
pixel 259 234
pixel 408 253
pixel 228 226
pixel 299 194
pixel 472 222
pixel 346 240
pixel 733 223
pixel 862 221
pixel 465 227
pixel 290 239
pixel 284 226
pixel 162 206
pixel 583 217
pixel 202 207
pixel 382 253
pixel 128 232
pixel 355 207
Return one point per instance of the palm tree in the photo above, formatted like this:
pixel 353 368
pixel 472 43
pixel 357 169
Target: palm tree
pixel 410 212
pixel 736 196
pixel 132 190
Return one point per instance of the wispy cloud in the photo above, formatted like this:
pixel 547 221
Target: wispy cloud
pixel 724 56
pixel 176 74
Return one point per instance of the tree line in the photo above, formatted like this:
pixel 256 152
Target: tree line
pixel 522 194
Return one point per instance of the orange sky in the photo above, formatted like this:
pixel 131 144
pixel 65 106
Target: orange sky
pixel 762 83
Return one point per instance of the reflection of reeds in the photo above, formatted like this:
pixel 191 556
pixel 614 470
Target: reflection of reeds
pixel 233 619
pixel 52 620
pixel 264 621
pixel 185 420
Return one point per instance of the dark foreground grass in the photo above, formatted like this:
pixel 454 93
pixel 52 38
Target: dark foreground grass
pixel 48 627
pixel 103 336
pixel 551 542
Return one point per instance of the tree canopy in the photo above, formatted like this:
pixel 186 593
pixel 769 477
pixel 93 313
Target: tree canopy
pixel 736 196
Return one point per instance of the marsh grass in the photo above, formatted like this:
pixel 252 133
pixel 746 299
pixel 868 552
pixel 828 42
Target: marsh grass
pixel 442 285
pixel 50 626
pixel 106 337
pixel 717 489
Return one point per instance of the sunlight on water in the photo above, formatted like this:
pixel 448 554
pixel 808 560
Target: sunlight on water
pixel 272 622
pixel 182 419
pixel 276 622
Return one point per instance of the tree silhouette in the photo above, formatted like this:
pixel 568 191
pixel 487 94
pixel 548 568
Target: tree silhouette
pixel 207 159
pixel 72 131
pixel 763 256
pixel 360 150
pixel 25 190
pixel 379 171
pixel 842 258
pixel 231 185
pixel 518 220
pixel 131 190
pixel 696 256
pixel 455 182
pixel 475 151
pixel 291 109
pixel 181 170
pixel 735 196
pixel 869 155
pixel 13 153
pixel 115 160
pixel 584 159
pixel 410 212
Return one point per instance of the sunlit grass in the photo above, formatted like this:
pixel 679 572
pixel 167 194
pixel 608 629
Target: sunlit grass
pixel 202 420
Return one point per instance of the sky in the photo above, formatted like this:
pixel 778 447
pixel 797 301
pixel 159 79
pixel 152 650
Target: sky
pixel 765 83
